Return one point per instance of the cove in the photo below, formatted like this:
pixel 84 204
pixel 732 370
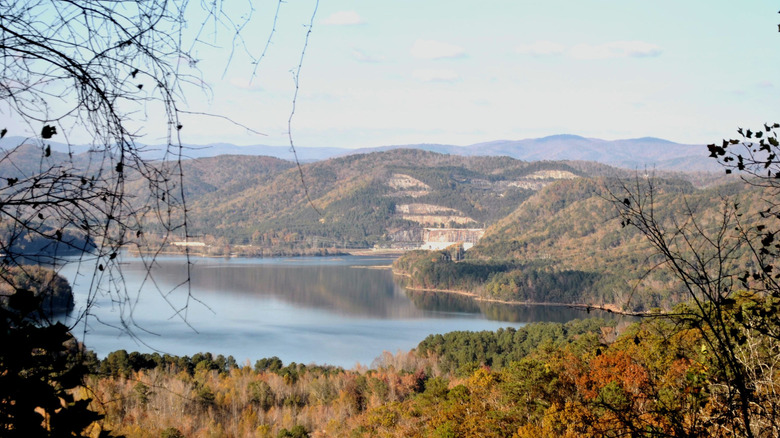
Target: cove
pixel 326 310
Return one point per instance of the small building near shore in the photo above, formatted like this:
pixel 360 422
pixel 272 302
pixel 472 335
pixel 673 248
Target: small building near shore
pixel 184 243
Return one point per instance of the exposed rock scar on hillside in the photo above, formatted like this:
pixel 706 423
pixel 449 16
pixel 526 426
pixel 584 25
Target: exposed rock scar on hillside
pixel 407 186
pixel 430 214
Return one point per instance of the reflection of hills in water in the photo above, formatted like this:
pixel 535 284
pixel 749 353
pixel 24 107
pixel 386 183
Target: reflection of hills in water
pixel 337 288
pixel 344 287
pixel 445 302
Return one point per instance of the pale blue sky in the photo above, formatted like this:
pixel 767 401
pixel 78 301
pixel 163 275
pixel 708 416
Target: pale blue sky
pixel 462 72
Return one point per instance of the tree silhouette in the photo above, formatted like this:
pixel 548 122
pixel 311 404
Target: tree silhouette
pixel 727 266
pixel 729 269
pixel 96 70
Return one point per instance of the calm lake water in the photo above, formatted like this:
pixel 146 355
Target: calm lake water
pixel 334 310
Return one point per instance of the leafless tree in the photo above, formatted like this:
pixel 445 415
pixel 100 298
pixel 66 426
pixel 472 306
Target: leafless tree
pixel 101 70
pixel 727 266
pixel 94 72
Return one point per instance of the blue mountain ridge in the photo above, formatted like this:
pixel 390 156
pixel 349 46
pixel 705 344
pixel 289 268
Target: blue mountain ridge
pixel 636 153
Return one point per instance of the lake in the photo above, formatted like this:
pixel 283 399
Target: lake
pixel 325 310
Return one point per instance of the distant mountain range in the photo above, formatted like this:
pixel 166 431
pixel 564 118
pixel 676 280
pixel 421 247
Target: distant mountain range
pixel 637 153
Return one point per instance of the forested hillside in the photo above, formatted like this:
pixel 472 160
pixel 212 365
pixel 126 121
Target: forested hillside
pixel 566 244
pixel 256 205
pixel 381 199
pixel 360 201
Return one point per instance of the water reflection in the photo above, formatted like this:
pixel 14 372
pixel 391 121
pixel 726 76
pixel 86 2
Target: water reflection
pixel 446 302
pixel 346 286
pixel 324 310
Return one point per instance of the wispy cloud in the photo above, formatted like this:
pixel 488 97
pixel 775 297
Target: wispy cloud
pixel 343 18
pixel 615 49
pixel 431 49
pixel 363 56
pixel 541 48
pixel 431 75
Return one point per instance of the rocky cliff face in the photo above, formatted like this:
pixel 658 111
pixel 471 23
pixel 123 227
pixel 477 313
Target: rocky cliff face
pixel 431 219
pixel 429 214
pixel 552 174
pixel 405 185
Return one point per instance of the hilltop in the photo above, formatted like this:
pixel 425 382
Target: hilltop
pixel 398 198
pixel 385 199
pixel 638 153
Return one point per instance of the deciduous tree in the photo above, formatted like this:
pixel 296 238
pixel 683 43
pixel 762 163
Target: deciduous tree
pixel 97 71
pixel 727 265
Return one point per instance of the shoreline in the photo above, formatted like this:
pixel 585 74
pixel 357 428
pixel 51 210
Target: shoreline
pixel 397 252
pixel 475 297
pixel 234 255
pixel 337 252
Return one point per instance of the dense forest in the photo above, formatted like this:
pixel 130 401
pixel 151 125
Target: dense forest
pixel 202 395
pixel 583 378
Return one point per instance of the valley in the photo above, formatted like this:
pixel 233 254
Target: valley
pixel 375 220
pixel 486 252
pixel 498 228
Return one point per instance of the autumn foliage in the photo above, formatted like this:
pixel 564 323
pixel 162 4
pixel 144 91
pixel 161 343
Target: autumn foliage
pixel 654 379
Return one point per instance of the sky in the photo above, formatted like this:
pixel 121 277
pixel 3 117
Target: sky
pixel 462 72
